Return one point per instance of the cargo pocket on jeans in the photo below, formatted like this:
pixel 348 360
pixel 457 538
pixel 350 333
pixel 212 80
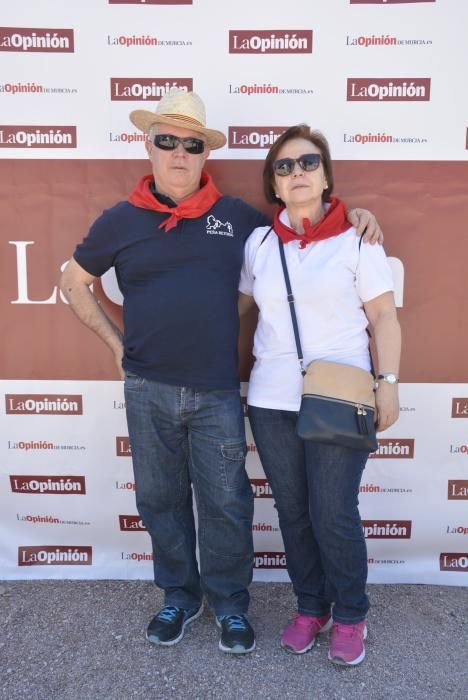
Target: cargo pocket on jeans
pixel 233 457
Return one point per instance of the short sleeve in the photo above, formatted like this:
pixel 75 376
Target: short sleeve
pixel 257 218
pixel 373 275
pixel 246 277
pixel 252 218
pixel 250 251
pixel 96 252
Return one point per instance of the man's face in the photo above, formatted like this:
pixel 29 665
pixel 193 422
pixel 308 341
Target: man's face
pixel 176 173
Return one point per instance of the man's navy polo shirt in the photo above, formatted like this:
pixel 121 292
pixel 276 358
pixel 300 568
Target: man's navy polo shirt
pixel 180 288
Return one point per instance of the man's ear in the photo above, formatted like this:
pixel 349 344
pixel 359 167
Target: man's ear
pixel 148 146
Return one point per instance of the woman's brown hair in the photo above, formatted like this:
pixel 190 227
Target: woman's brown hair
pixel 300 131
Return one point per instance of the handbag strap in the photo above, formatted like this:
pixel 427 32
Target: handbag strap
pixel 292 307
pixel 265 236
pixel 372 368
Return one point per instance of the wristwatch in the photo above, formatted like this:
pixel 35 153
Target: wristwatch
pixel 390 378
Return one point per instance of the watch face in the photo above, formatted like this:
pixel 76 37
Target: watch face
pixel 390 378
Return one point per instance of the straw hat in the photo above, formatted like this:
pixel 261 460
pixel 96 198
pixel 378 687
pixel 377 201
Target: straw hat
pixel 179 108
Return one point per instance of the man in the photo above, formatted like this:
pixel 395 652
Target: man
pixel 177 247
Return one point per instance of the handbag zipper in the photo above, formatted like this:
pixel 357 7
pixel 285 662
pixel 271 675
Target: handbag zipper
pixel 361 411
pixel 361 406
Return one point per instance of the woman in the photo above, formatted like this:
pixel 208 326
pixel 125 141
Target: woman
pixel 340 286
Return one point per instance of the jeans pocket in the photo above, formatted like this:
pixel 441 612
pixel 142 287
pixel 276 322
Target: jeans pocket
pixel 233 456
pixel 133 381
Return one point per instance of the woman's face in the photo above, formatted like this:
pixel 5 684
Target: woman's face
pixel 301 187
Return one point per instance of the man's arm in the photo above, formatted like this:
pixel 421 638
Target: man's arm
pixel 364 220
pixel 75 283
pixel 245 303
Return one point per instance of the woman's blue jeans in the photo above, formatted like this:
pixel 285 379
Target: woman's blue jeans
pixel 316 489
pixel 181 438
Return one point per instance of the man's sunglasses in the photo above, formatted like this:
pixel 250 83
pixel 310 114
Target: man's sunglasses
pixel 285 166
pixel 168 142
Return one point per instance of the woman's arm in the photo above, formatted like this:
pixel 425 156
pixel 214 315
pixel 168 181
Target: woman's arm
pixel 382 316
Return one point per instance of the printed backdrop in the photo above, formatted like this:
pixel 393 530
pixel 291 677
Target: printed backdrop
pixel 383 80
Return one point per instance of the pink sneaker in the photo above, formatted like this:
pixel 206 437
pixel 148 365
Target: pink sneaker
pixel 347 643
pixel 299 636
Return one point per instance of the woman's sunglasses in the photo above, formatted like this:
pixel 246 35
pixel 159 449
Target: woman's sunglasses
pixel 285 166
pixel 168 142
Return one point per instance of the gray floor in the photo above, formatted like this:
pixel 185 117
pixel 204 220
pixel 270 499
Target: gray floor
pixel 80 640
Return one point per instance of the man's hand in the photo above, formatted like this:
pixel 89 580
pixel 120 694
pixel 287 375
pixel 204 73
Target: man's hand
pixel 364 220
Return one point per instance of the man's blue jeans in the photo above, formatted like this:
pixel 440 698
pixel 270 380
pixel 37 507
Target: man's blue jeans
pixel 182 437
pixel 316 489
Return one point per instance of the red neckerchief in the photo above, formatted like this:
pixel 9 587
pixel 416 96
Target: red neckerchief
pixel 190 208
pixel 332 223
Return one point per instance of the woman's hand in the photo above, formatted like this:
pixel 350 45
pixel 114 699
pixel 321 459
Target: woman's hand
pixel 364 220
pixel 387 405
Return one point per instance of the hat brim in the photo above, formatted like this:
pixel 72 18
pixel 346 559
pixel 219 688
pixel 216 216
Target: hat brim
pixel 144 120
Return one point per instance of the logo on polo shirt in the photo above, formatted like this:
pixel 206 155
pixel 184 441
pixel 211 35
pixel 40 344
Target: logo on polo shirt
pixel 216 227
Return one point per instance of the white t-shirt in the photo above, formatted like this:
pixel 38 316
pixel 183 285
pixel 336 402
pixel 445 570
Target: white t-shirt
pixel 330 280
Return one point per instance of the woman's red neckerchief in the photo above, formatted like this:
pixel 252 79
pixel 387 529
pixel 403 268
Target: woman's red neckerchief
pixel 332 223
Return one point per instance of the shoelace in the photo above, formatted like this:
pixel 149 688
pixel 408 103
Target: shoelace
pixel 347 630
pixel 302 621
pixel 235 623
pixel 168 614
